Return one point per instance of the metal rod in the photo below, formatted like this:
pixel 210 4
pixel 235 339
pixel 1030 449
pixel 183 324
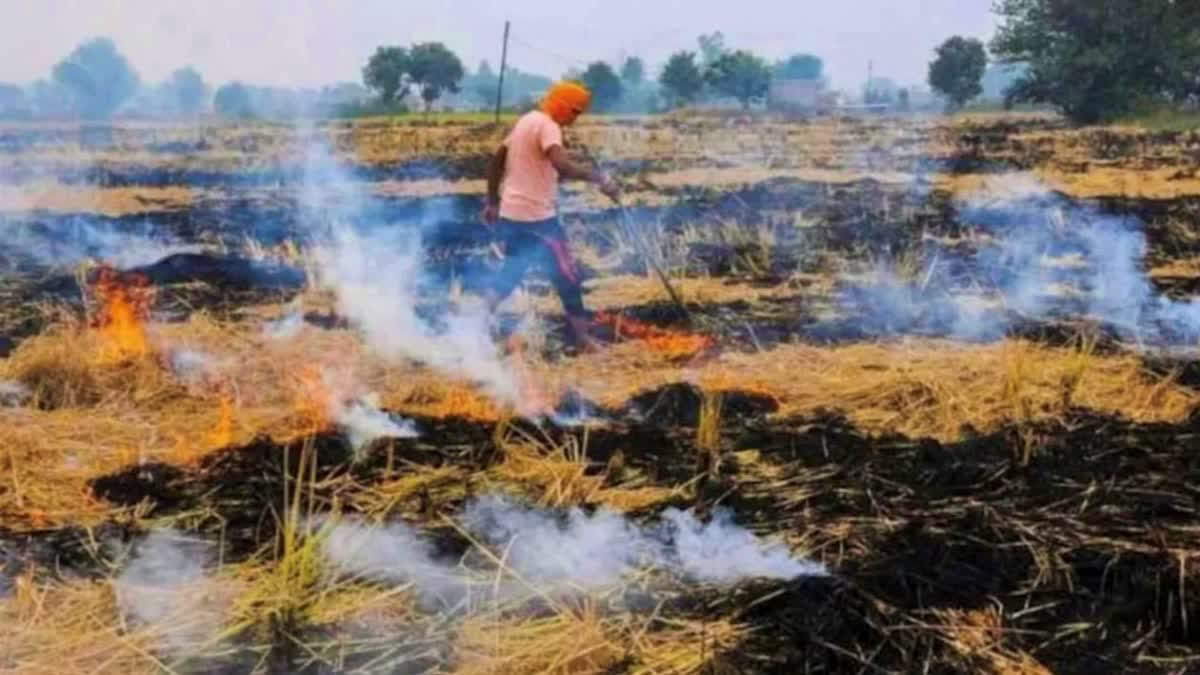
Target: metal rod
pixel 503 63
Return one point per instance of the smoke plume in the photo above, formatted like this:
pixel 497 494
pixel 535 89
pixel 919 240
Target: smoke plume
pixel 165 590
pixel 13 394
pixel 571 550
pixel 63 243
pixel 1045 257
pixel 285 327
pixel 363 422
pixel 377 272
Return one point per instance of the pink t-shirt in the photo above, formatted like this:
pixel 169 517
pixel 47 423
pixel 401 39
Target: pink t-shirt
pixel 530 183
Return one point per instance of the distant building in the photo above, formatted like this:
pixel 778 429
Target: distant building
pixel 800 96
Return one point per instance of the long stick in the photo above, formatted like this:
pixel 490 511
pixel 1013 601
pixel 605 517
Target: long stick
pixel 503 63
pixel 651 260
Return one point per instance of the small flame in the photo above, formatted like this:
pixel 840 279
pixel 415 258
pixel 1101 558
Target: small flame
pixel 124 301
pixel 313 397
pixel 222 435
pixel 670 344
pixel 454 400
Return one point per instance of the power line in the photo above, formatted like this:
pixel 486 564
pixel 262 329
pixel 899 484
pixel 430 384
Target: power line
pixel 565 58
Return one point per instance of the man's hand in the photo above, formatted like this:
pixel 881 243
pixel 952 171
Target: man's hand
pixel 610 188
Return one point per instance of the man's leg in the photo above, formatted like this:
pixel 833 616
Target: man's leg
pixel 516 261
pixel 563 273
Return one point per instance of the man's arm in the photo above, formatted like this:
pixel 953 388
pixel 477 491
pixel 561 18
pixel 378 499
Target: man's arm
pixel 495 172
pixel 570 169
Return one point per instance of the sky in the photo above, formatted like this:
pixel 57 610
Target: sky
pixel 306 43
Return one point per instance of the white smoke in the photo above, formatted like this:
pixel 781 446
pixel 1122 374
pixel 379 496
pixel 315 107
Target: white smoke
pixel 375 277
pixel 376 274
pixel 13 394
pixel 395 552
pixel 193 366
pixel 568 552
pixel 66 243
pixel 358 414
pixel 597 550
pixel 722 552
pixel 285 327
pixel 363 422
pixel 166 590
pixel 1049 257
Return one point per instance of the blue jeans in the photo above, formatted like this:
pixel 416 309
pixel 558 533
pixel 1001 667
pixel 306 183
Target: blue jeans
pixel 541 245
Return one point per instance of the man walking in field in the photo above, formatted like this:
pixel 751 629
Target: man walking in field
pixel 522 183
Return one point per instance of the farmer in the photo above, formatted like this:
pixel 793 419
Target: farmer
pixel 522 184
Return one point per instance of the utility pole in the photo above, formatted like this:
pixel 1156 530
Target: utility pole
pixel 503 62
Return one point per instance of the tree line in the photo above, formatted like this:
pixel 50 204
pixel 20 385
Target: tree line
pixel 1094 60
pixel 95 81
pixel 432 70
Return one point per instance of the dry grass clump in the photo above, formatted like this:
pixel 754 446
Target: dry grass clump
pixel 682 647
pixel 92 414
pixel 559 475
pixel 110 627
pixel 917 387
pixel 53 629
pixel 979 635
pixel 439 397
pixel 388 498
pixel 573 641
pixel 582 640
pixel 70 367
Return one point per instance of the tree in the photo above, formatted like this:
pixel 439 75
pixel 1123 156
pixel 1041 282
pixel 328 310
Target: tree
pixel 98 77
pixel 633 71
pixel 434 69
pixel 800 67
pixel 187 90
pixel 681 78
pixel 604 84
pixel 14 104
pixel 1099 59
pixel 233 100
pixel 712 46
pixel 51 99
pixel 999 78
pixel 740 75
pixel 483 83
pixel 957 72
pixel 518 85
pixel 386 72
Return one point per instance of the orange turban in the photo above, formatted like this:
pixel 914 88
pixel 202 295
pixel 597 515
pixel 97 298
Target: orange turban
pixel 565 101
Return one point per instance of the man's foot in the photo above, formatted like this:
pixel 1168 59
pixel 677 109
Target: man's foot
pixel 581 339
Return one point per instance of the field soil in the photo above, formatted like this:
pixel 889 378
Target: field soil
pixel 950 361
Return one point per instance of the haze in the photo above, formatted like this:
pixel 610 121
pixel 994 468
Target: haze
pixel 318 42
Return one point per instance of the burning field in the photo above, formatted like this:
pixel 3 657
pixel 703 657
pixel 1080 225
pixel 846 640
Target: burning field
pixel 877 396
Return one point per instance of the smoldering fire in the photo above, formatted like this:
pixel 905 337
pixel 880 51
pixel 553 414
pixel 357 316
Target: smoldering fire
pixel 565 551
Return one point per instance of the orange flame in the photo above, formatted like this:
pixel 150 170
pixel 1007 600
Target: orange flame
pixel 461 401
pixel 312 398
pixel 222 435
pixel 672 345
pixel 124 309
